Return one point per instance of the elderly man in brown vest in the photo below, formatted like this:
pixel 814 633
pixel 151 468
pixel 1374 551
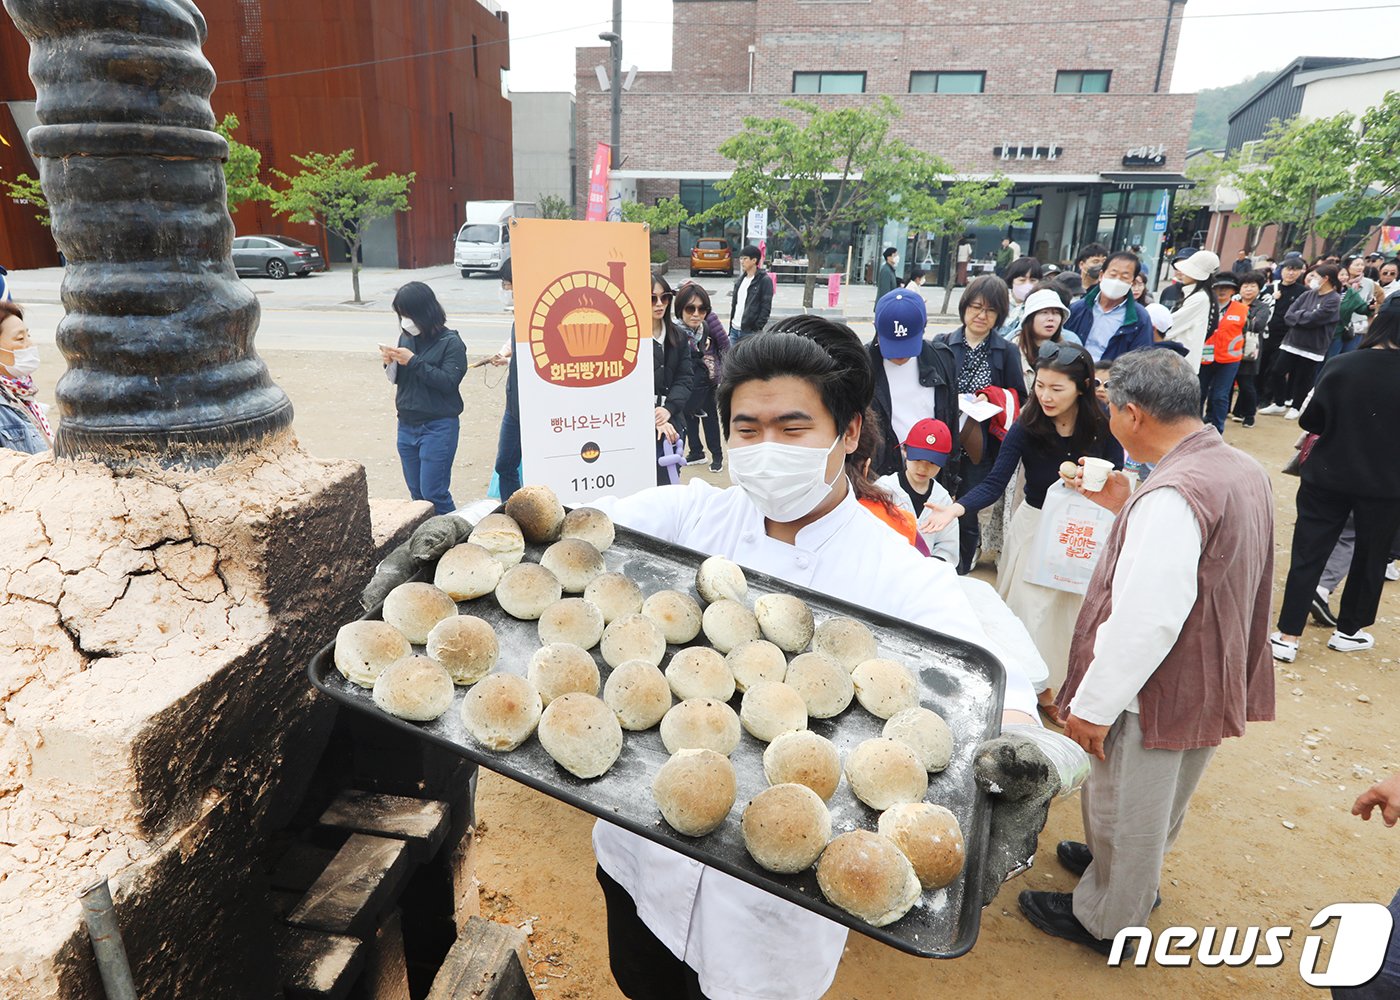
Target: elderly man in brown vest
pixel 1170 653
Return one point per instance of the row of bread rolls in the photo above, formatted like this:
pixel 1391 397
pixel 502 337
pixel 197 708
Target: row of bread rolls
pixel 787 827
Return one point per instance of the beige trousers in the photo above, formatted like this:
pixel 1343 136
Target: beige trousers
pixel 1134 804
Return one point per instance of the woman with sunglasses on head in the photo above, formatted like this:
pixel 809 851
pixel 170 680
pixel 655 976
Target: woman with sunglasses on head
pixel 673 374
pixel 1062 422
pixel 710 343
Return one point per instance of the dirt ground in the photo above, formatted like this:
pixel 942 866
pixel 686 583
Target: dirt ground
pixel 1269 839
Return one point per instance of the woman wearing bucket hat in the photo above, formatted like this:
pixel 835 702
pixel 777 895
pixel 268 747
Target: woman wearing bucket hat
pixel 1062 422
pixel 1197 313
pixel 1042 320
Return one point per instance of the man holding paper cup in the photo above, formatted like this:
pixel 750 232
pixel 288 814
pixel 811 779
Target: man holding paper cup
pixel 1171 652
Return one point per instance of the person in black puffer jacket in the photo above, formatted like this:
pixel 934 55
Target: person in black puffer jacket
pixel 673 373
pixel 426 368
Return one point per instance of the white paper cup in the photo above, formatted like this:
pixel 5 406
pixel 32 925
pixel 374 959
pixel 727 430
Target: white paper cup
pixel 1096 472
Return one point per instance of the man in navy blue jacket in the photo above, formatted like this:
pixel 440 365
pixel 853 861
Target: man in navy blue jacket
pixel 1108 320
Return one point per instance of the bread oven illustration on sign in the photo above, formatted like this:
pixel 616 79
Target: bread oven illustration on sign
pixel 584 330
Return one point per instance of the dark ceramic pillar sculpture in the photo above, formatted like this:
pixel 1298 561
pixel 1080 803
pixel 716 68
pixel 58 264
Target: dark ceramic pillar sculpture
pixel 159 330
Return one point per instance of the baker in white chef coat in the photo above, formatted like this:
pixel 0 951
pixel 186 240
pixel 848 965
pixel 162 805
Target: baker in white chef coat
pixel 792 402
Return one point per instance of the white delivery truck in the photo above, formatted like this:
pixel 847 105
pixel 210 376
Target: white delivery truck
pixel 483 242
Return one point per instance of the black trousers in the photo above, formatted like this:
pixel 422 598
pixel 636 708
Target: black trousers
pixel 970 475
pixel 1322 514
pixel 703 399
pixel 643 967
pixel 1293 378
pixel 1247 400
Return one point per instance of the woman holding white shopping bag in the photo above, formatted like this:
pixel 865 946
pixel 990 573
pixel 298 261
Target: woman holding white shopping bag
pixel 1062 422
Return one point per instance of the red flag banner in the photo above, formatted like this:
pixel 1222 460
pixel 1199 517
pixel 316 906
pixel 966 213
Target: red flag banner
pixel 598 185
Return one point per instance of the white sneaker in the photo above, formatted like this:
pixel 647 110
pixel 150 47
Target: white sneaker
pixel 1392 572
pixel 1272 410
pixel 1236 418
pixel 1353 643
pixel 1292 414
pixel 1284 651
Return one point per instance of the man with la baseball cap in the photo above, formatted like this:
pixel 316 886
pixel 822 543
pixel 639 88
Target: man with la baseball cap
pixel 915 379
pixel 926 449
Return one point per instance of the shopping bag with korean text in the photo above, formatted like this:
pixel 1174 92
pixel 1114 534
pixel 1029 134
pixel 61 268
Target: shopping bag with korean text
pixel 1072 532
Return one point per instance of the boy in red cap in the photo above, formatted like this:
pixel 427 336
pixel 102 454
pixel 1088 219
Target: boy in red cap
pixel 926 448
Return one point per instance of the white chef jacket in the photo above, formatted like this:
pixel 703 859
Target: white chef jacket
pixel 744 943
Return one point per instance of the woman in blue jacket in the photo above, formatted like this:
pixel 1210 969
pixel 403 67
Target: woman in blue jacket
pixel 426 368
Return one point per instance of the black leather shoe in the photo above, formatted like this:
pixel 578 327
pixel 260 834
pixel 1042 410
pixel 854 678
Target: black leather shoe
pixel 1053 913
pixel 1076 857
pixel 1073 855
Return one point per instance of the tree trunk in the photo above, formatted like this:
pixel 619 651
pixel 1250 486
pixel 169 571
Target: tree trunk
pixel 355 269
pixel 809 283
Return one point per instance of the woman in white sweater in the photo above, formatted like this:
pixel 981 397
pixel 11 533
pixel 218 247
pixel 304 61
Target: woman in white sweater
pixel 1195 312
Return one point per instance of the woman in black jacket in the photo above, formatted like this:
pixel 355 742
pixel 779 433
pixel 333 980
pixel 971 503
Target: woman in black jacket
pixel 983 359
pixel 710 343
pixel 1312 320
pixel 426 368
pixel 1353 470
pixel 673 375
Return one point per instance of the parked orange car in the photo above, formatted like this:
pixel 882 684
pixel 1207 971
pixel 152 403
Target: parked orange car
pixel 711 254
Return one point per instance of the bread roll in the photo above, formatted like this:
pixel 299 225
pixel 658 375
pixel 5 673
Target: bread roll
pixel 637 691
pixel 676 614
pixel 615 595
pixel 633 637
pixel 581 734
pixel 868 876
pixel 700 724
pixel 414 688
pixel 846 641
pixel 786 828
pixel 562 668
pixel 590 524
pixel 930 838
pixel 803 758
pixel 527 591
pixel 500 536
pixel 884 772
pixel 700 672
pixel 785 621
pixel 465 646
pixel 694 790
pixel 885 688
pixel 754 661
pixel 769 710
pixel 574 562
pixel 728 624
pixel 572 620
pixel 466 572
pixel 414 608
pixel 925 733
pixel 719 579
pixel 501 711
pixel 823 684
pixel 538 512
pixel 364 648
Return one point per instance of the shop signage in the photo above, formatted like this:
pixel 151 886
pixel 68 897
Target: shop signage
pixel 1029 151
pixel 582 342
pixel 1146 156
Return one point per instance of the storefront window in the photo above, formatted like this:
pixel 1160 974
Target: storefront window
pixel 698 196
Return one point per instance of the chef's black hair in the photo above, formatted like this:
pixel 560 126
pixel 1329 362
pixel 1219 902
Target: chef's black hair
pixel 825 353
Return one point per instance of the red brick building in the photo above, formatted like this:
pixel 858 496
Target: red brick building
pixel 413 85
pixel 1070 101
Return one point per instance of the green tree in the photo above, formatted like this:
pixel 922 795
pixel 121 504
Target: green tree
pixel 1210 126
pixel 551 206
pixel 950 207
pixel 242 169
pixel 837 168
pixel 667 212
pixel 1297 164
pixel 25 190
pixel 342 197
pixel 1375 192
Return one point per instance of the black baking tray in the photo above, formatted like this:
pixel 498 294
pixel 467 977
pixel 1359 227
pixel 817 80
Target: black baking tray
pixel 962 682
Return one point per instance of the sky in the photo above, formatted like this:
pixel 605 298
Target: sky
pixel 1222 41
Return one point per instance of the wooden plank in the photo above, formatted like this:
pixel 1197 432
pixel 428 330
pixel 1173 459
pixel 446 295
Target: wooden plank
pixel 484 964
pixel 318 966
pixel 423 822
pixel 300 866
pixel 360 883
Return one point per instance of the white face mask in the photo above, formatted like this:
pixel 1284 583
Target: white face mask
pixel 1114 288
pixel 785 481
pixel 1023 290
pixel 1314 282
pixel 26 361
pixel 409 327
